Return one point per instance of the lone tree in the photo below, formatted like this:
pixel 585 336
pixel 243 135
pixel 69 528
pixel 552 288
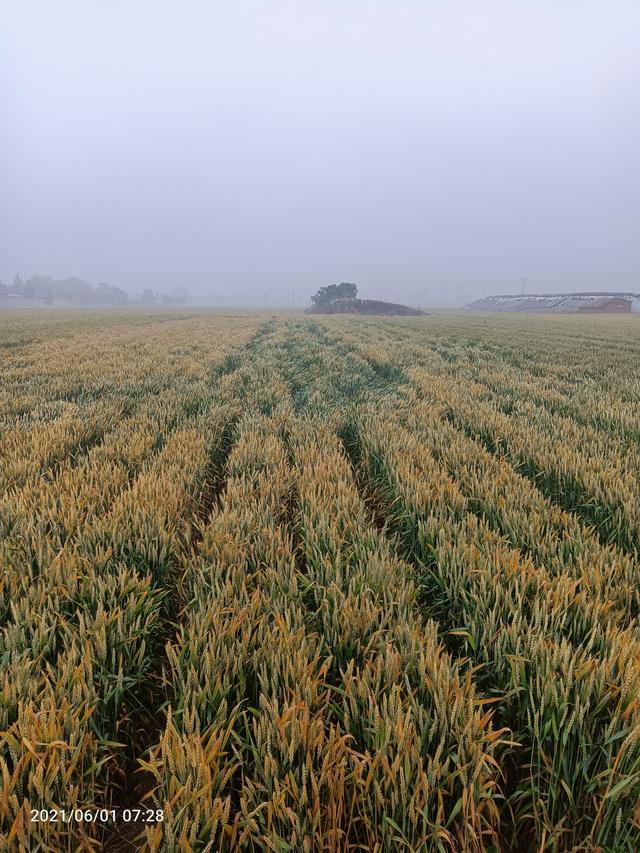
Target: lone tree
pixel 344 290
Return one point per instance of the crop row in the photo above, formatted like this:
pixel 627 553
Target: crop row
pixel 319 585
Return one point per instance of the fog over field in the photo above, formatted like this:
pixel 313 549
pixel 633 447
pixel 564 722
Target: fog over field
pixel 429 151
pixel 361 578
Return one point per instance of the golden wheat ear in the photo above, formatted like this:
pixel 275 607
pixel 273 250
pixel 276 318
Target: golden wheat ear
pixel 319 584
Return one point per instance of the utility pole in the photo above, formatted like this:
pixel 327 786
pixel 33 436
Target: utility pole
pixel 523 286
pixel 293 300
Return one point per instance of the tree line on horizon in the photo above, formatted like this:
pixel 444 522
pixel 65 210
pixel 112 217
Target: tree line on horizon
pixel 77 291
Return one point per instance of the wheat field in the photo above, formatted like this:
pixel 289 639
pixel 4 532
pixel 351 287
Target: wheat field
pixel 305 584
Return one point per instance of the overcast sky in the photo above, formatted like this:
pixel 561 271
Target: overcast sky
pixel 425 150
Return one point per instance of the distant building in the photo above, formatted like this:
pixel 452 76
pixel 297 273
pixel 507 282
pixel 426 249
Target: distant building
pixel 561 303
pixel 10 299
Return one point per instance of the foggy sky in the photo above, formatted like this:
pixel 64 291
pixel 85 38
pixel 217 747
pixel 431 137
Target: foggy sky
pixel 428 151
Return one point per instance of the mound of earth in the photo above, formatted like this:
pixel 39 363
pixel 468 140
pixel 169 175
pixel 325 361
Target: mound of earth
pixel 366 306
